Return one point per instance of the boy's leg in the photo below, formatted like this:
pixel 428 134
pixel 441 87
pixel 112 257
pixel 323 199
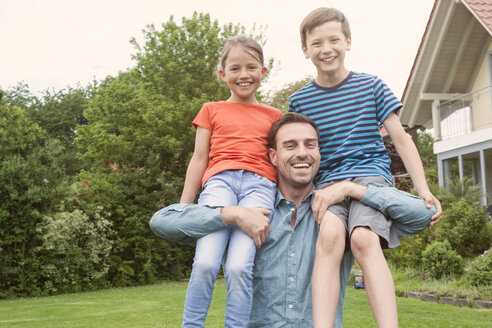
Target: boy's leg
pixel 209 253
pixel 378 281
pixel 254 191
pixel 325 288
pixel 368 228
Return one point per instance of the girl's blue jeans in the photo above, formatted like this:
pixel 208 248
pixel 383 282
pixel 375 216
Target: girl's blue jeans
pixel 227 188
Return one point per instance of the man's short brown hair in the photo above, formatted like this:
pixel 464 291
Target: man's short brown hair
pixel 320 16
pixel 285 119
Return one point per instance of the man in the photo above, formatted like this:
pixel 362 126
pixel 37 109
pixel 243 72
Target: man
pixel 284 262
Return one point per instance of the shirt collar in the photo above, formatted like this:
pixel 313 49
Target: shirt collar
pixel 279 197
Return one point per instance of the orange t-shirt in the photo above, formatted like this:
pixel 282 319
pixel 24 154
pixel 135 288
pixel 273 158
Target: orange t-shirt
pixel 239 137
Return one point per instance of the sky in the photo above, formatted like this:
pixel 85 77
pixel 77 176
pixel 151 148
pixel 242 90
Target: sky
pixel 53 44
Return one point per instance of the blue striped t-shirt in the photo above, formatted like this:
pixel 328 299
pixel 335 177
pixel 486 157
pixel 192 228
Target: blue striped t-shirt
pixel 348 116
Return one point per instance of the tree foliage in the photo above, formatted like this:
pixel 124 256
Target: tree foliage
pixel 280 99
pixel 83 169
pixel 32 186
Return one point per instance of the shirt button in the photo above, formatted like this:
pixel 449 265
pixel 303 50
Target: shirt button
pixel 291 278
pixel 291 254
pixel 291 306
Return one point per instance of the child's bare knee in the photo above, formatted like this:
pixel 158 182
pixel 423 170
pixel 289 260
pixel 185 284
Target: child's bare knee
pixel 330 241
pixel 363 241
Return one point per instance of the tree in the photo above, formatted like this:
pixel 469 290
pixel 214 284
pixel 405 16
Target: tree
pixel 32 185
pixel 57 113
pixel 280 99
pixel 429 160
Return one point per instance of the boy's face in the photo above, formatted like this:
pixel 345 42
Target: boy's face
pixel 326 45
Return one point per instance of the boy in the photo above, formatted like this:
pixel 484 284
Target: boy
pixel 348 108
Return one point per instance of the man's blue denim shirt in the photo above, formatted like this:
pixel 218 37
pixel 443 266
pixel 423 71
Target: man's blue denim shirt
pixel 284 263
pixel 283 269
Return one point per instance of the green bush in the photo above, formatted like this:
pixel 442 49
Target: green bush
pixel 464 225
pixel 74 252
pixel 479 271
pixel 440 260
pixel 409 254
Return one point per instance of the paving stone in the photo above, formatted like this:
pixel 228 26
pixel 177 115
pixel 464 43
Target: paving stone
pixel 413 295
pixel 429 297
pixel 482 304
pixel 461 302
pixel 446 300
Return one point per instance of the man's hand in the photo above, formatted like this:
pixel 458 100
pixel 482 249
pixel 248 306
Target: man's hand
pixel 252 221
pixel 333 194
pixel 429 201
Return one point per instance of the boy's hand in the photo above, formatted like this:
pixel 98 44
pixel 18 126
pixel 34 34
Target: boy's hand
pixel 429 201
pixel 252 221
pixel 335 193
pixel 324 198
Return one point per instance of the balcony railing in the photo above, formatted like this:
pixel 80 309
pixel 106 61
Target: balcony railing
pixel 466 113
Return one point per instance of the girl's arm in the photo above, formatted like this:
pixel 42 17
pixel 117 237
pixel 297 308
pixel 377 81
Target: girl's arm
pixel 197 166
pixel 411 159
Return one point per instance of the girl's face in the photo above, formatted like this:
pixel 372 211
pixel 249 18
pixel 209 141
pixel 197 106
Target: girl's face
pixel 243 73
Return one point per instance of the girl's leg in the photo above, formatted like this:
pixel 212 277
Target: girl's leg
pixel 325 287
pixel 209 253
pixel 253 191
pixel 239 278
pixel 206 264
pixel 377 276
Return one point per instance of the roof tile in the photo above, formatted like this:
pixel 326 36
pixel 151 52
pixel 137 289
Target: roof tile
pixel 483 10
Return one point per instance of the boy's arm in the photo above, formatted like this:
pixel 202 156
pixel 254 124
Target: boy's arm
pixel 198 165
pixel 185 223
pixel 411 159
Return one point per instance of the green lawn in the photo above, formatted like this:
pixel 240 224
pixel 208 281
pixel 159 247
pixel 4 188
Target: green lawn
pixel 161 305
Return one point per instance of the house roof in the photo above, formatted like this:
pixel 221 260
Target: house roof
pixel 456 38
pixel 482 9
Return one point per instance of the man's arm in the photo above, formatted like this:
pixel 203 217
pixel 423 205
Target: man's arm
pixel 410 213
pixel 185 223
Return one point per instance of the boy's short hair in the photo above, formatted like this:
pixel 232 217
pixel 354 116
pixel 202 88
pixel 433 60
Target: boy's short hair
pixel 285 119
pixel 320 16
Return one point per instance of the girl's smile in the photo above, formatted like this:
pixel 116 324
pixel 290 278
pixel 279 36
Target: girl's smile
pixel 243 73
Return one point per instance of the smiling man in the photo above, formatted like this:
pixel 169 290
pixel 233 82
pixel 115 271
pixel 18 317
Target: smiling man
pixel 284 262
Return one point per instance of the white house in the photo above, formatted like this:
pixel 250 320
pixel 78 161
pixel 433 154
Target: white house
pixel 449 90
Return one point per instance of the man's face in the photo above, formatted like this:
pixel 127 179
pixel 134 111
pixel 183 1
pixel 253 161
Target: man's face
pixel 296 156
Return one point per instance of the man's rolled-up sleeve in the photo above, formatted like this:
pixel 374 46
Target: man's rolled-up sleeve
pixel 185 223
pixel 409 213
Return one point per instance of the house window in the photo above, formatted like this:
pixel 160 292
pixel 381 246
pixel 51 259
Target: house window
pixel 450 170
pixel 487 154
pixel 471 167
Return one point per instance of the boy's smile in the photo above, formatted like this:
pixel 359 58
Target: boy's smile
pixel 326 46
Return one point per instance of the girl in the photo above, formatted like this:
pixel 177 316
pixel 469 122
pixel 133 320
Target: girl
pixel 230 161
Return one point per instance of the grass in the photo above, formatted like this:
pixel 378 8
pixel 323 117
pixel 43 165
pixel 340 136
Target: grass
pixel 161 305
